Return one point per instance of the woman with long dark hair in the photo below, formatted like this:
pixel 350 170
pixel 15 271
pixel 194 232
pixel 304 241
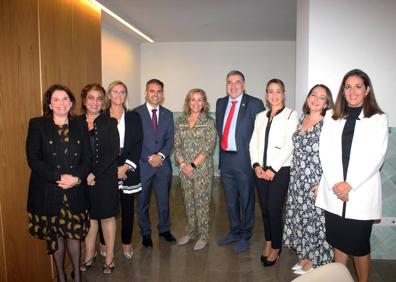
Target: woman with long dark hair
pixel 352 149
pixel 304 229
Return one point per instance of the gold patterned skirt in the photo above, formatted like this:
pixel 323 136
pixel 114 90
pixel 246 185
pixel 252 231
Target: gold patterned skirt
pixel 65 224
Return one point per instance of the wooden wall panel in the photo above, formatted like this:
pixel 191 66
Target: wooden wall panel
pixel 23 257
pixel 73 57
pixel 65 36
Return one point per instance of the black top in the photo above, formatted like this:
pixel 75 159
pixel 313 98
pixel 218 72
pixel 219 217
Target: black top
pixel 347 138
pixel 105 142
pixel 133 141
pixel 267 131
pixel 47 159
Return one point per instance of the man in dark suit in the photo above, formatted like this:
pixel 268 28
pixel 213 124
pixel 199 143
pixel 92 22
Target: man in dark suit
pixel 235 116
pixel 155 165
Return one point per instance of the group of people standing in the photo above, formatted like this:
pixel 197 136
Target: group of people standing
pixel 326 163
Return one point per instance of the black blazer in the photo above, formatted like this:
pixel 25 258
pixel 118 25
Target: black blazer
pixel 47 162
pixel 105 150
pixel 132 147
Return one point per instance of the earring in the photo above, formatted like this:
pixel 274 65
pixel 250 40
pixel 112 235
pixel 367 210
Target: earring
pixel 50 106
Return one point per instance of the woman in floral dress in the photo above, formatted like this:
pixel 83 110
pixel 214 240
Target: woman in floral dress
pixel 304 229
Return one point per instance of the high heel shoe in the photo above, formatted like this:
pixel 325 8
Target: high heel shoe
pixel 87 265
pixel 108 268
pixel 263 258
pixel 268 263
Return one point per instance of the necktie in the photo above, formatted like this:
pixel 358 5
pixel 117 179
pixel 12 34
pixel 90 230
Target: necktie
pixel 154 119
pixel 224 139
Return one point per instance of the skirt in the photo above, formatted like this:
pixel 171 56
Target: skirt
pixel 350 236
pixel 65 224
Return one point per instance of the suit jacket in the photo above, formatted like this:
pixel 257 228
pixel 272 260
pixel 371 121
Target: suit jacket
pixel 156 141
pixel 248 110
pixel 280 143
pixel 133 142
pixel 47 162
pixel 105 150
pixel 369 143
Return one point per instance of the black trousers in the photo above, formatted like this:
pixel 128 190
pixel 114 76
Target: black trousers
pixel 127 202
pixel 272 196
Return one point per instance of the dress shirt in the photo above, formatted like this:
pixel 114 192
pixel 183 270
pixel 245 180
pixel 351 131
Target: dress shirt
pixel 231 135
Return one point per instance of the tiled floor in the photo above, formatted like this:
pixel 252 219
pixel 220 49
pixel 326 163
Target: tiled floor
pixel 165 262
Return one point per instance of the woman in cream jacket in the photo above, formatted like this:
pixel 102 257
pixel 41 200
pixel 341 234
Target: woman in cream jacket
pixel 352 149
pixel 271 150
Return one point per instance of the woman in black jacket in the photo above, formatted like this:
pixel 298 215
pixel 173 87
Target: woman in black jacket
pixel 58 154
pixel 131 139
pixel 102 181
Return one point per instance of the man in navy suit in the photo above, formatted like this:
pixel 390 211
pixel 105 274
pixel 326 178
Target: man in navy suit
pixel 235 116
pixel 155 165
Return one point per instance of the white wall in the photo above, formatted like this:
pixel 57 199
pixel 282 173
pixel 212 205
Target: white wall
pixel 344 35
pixel 302 52
pixel 182 66
pixel 121 58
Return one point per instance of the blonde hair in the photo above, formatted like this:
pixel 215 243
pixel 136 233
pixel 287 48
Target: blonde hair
pixel 111 86
pixel 186 107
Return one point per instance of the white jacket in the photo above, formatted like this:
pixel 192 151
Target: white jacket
pixel 369 144
pixel 280 144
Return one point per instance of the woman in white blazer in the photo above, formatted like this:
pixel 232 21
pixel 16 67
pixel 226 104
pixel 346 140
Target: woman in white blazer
pixel 352 148
pixel 271 150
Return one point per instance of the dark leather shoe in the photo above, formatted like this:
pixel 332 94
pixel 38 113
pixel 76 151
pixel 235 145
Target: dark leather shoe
pixel 147 242
pixel 168 236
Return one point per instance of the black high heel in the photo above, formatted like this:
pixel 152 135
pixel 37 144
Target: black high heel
pixel 263 258
pixel 87 265
pixel 268 263
pixel 108 268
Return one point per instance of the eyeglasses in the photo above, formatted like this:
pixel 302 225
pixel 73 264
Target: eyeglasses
pixel 122 92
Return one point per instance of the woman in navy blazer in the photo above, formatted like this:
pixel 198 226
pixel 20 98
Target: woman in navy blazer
pixel 57 150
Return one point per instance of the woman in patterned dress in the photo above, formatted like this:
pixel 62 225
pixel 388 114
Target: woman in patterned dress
pixel 304 229
pixel 57 150
pixel 195 141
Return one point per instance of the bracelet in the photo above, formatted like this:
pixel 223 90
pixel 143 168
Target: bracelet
pixel 193 165
pixel 181 166
pixel 78 181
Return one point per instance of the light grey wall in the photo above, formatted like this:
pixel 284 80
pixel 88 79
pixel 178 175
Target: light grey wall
pixel 343 35
pixel 121 58
pixel 185 65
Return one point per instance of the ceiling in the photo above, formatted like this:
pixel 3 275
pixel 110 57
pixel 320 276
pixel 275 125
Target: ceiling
pixel 210 20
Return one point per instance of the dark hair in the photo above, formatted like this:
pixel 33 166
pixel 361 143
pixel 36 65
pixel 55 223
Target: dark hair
pixel 84 93
pixel 370 106
pixel 276 81
pixel 186 107
pixel 111 86
pixel 155 81
pixel 47 111
pixel 236 72
pixel 329 99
